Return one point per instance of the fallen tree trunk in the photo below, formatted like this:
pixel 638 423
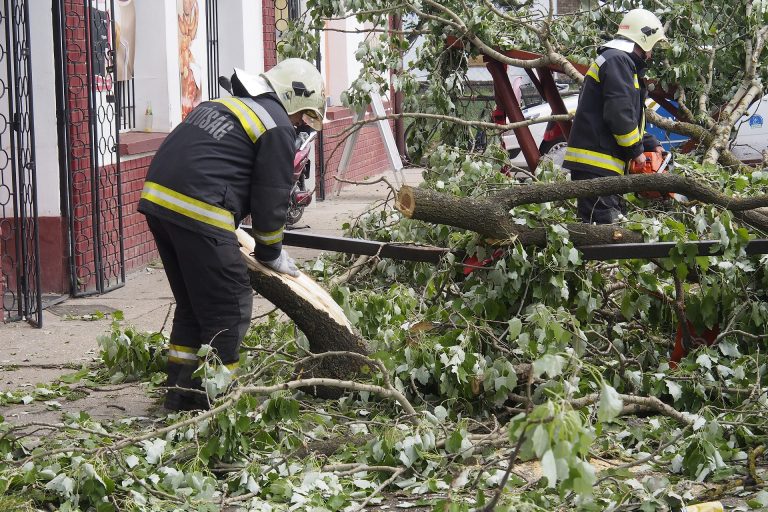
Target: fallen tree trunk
pixel 665 182
pixel 314 312
pixel 490 216
pixel 491 219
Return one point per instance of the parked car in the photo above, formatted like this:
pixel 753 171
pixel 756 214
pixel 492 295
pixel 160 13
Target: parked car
pixel 749 141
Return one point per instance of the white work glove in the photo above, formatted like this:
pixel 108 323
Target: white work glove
pixel 283 264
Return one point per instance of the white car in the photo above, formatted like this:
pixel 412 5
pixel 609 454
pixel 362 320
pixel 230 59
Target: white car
pixel 749 143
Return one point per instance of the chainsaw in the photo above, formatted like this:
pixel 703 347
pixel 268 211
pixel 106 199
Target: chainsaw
pixel 655 163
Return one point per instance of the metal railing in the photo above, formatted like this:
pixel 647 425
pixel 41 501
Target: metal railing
pixel 212 46
pixel 19 236
pixel 126 104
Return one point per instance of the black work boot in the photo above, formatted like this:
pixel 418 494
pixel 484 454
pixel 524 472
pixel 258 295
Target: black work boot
pixel 191 397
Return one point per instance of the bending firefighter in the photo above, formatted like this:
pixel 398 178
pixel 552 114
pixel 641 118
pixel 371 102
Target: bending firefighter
pixel 608 131
pixel 229 158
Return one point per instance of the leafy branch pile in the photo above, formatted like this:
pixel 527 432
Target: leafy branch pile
pixel 526 379
pixel 538 371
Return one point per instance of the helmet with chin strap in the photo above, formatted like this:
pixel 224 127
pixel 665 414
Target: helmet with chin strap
pixel 300 88
pixel 643 28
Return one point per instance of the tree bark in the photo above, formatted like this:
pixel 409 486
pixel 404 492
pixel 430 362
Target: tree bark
pixel 490 216
pixel 665 182
pixel 491 219
pixel 315 312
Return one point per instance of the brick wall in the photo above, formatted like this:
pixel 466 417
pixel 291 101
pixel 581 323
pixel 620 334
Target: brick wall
pixel 138 243
pixel 79 134
pixel 270 34
pixel 566 6
pixel 369 156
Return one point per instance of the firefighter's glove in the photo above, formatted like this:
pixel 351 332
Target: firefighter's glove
pixel 283 264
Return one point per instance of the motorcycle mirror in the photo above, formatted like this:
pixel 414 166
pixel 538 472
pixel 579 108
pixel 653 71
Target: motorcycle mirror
pixel 309 138
pixel 225 84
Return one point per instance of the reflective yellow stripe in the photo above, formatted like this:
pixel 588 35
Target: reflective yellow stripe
pixel 593 70
pixel 595 159
pixel 182 348
pixel 247 117
pixel 180 354
pixel 188 206
pixel 637 84
pixel 182 360
pixel 630 139
pixel 269 237
pixel 233 366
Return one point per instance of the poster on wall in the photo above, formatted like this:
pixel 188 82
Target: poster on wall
pixel 191 53
pixel 125 34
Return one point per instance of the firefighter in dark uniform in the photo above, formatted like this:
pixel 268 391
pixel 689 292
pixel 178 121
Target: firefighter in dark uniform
pixel 608 131
pixel 229 158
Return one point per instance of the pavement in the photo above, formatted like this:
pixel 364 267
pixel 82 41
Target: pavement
pixel 29 355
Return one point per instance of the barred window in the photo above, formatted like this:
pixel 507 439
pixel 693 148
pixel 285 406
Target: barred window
pixel 126 104
pixel 212 44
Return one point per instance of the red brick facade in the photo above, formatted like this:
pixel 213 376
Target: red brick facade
pixel 369 157
pixel 138 242
pixel 270 34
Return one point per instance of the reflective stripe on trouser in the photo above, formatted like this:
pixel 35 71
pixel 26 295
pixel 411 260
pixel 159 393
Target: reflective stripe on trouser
pixel 595 159
pixel 188 206
pixel 210 283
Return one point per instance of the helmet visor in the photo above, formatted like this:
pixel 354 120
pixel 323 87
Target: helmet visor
pixel 313 119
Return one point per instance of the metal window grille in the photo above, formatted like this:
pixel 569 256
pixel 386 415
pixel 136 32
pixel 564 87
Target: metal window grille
pixel 285 12
pixel 212 31
pixel 126 104
pixel 20 296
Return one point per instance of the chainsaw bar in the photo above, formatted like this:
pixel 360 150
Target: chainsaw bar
pixel 432 254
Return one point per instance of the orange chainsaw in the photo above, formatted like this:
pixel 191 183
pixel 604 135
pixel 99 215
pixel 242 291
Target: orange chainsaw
pixel 654 163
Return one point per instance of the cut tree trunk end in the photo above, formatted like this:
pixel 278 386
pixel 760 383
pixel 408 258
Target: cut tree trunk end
pixel 317 315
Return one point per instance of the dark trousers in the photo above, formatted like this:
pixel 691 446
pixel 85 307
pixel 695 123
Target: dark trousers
pixel 601 209
pixel 214 299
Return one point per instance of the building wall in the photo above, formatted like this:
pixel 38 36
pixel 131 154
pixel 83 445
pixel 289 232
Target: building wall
pixel 140 247
pixel 566 6
pixel 369 157
pixel 269 34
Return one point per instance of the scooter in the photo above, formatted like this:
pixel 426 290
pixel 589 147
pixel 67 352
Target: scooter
pixel 300 196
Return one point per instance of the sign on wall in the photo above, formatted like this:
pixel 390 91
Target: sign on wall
pixel 191 54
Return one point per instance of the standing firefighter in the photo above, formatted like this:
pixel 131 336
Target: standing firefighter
pixel 229 158
pixel 608 131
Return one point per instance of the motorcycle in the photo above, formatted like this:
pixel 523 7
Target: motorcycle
pixel 300 196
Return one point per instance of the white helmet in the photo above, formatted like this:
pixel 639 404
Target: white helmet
pixel 300 88
pixel 643 28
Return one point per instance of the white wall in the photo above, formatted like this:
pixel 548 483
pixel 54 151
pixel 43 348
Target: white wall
pixel 339 64
pixel 156 75
pixel 44 98
pixel 241 41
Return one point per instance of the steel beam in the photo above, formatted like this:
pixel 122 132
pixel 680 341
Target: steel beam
pixel 505 97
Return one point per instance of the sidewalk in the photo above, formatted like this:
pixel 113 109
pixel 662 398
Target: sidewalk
pixel 29 355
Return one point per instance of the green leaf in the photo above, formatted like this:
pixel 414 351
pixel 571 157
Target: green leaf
pixel 610 403
pixel 515 327
pixel 453 445
pixel 549 468
pixel 674 389
pixel 550 364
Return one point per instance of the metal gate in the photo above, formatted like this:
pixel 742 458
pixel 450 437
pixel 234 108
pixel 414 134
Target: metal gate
pixel 19 242
pixel 89 118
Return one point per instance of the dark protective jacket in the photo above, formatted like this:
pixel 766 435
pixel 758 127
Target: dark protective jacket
pixel 229 158
pixel 609 127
